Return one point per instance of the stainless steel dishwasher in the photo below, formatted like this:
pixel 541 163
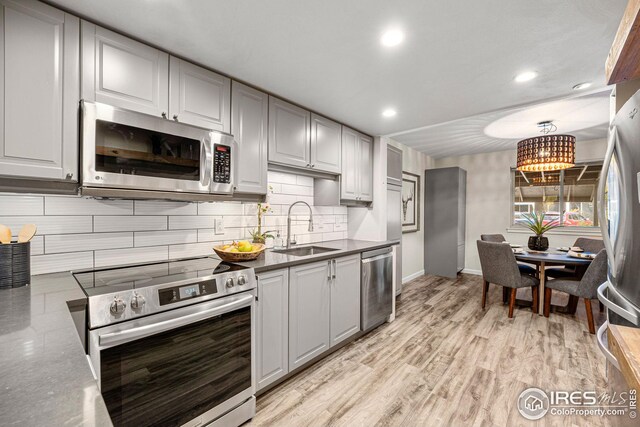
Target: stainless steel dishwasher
pixel 376 287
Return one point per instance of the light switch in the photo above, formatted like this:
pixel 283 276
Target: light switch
pixel 219 226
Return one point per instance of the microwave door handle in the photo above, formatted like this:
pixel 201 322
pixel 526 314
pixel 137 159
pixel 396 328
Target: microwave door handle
pixel 601 203
pixel 121 337
pixel 205 155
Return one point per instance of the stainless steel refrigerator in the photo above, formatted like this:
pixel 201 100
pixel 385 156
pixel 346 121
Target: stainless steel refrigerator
pixel 619 214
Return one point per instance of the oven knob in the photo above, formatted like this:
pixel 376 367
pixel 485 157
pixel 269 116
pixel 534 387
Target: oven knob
pixel 137 302
pixel 242 280
pixel 117 306
pixel 230 282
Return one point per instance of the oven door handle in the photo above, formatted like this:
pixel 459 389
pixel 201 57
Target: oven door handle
pixel 121 337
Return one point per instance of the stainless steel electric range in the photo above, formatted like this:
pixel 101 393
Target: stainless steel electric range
pixel 172 343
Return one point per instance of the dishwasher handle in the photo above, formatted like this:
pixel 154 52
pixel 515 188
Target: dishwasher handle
pixel 376 258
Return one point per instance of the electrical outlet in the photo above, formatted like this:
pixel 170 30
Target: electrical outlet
pixel 219 226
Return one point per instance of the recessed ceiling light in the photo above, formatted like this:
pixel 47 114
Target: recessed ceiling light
pixel 582 86
pixel 526 76
pixel 389 112
pixel 392 38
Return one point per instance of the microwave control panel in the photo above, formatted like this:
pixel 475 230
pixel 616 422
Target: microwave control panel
pixel 221 163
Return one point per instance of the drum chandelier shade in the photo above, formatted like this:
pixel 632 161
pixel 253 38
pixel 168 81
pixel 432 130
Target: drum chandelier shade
pixel 547 153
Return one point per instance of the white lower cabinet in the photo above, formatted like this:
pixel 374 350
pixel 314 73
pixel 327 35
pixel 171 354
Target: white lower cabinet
pixel 345 298
pixel 272 327
pixel 309 296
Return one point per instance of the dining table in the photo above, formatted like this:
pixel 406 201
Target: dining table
pixel 552 257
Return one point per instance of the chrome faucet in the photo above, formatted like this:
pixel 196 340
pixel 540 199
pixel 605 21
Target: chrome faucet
pixel 289 242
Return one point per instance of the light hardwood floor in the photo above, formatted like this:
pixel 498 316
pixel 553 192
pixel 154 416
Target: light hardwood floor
pixel 444 361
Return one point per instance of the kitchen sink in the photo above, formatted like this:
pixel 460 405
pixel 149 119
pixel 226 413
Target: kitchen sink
pixel 305 251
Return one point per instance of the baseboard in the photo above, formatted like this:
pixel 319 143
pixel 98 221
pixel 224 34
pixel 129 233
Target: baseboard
pixel 412 276
pixel 472 271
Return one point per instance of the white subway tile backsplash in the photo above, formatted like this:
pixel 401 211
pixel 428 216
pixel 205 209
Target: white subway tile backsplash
pixel 130 256
pixel 77 233
pixel 49 224
pixel 191 250
pixel 220 208
pixel 280 178
pixel 157 238
pixel 37 245
pixel 297 190
pixel 162 207
pixel 71 205
pixel 62 243
pixel 307 181
pixel 103 224
pixel 21 205
pixel 192 222
pixel 42 264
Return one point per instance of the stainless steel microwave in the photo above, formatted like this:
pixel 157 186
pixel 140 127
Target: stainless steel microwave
pixel 126 154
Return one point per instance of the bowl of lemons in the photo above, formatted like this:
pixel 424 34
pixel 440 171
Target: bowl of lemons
pixel 242 250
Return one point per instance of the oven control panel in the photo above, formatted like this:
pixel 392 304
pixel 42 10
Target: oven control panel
pixel 221 163
pixel 186 292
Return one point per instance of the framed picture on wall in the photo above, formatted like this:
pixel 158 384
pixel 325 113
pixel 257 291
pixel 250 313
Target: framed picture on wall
pixel 410 202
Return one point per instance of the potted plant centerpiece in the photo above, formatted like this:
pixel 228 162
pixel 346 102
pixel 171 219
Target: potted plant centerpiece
pixel 257 234
pixel 536 223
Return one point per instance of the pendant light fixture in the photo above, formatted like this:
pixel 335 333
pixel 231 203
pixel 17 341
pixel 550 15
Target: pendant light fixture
pixel 546 152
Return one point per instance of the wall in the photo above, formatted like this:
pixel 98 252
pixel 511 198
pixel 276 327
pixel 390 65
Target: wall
pixel 489 197
pixel 413 243
pixel 76 233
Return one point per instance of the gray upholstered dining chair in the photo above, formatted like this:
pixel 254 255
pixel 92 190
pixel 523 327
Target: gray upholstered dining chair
pixel 499 238
pixel 586 287
pixel 565 272
pixel 500 268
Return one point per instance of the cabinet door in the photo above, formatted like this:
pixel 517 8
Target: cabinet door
pixel 365 172
pixel 350 165
pixel 308 312
pixel 249 115
pixel 326 144
pixel 122 72
pixel 39 91
pixel 288 134
pixel 272 327
pixel 199 97
pixel 345 298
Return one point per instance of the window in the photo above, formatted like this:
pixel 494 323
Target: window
pixel 567 196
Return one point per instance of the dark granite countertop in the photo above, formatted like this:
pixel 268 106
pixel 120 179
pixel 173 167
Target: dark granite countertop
pixel 45 376
pixel 271 260
pixel 46 379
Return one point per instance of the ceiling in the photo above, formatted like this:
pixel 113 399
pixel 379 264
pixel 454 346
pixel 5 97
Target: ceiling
pixel 585 117
pixel 458 58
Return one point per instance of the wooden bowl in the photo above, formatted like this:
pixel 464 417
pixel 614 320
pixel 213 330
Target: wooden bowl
pixel 239 256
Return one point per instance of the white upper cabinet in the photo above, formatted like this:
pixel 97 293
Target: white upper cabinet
pixel 326 140
pixel 198 96
pixel 39 91
pixel 289 134
pixel 365 165
pixel 356 182
pixel 249 116
pixel 123 72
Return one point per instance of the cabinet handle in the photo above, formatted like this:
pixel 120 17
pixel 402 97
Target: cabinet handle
pixel 69 176
pixel 329 276
pixel 335 268
pixel 308 165
pixel 164 115
pixel 175 117
pixel 313 166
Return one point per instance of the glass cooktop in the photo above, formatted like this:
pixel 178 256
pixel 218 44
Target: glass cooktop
pixel 104 281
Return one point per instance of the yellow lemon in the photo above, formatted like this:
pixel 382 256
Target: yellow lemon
pixel 234 250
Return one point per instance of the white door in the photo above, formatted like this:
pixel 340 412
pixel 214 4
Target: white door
pixel 345 298
pixel 249 121
pixel 199 97
pixel 350 165
pixel 123 72
pixel 289 136
pixel 326 144
pixel 39 91
pixel 365 175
